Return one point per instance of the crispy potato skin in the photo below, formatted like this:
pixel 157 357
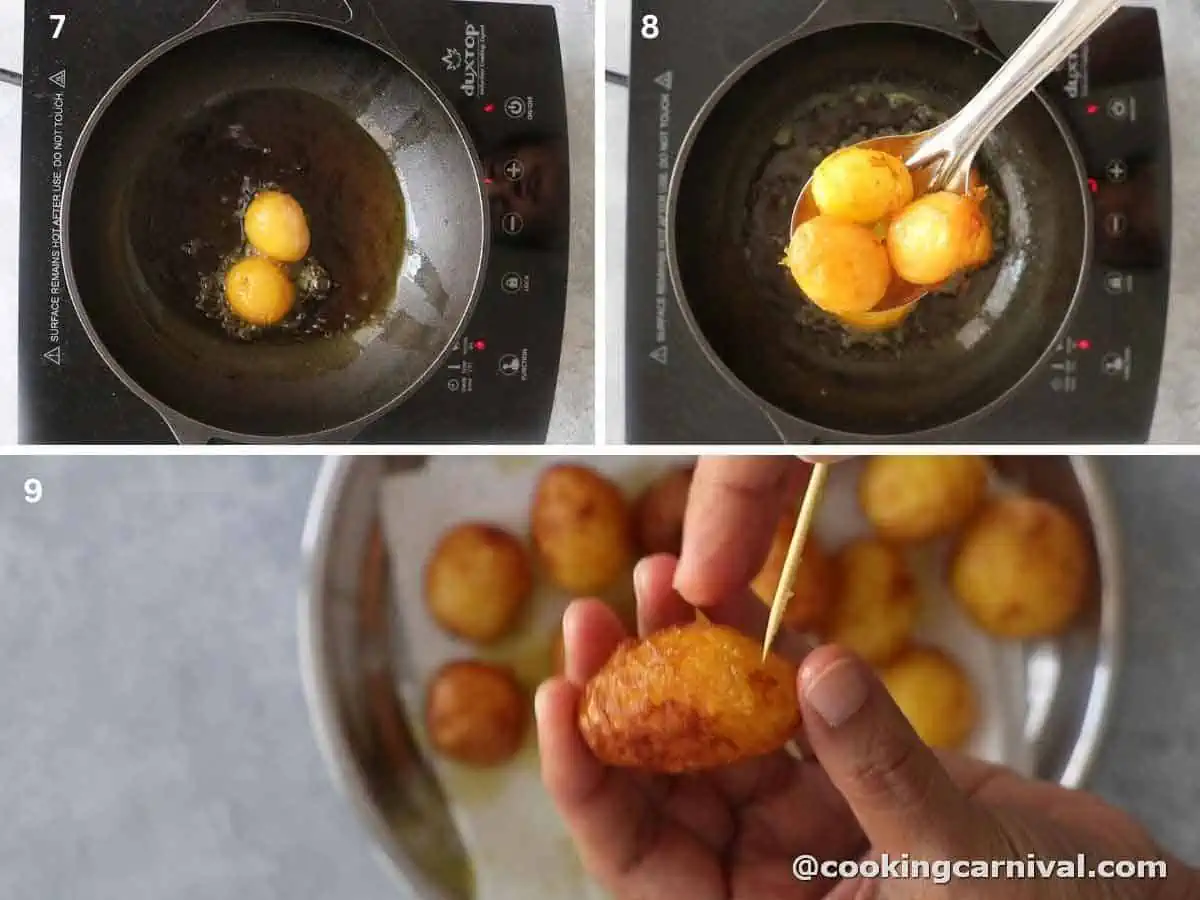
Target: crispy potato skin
pixel 916 498
pixel 658 513
pixel 1021 569
pixel 877 604
pixel 582 529
pixel 816 579
pixel 935 695
pixel 478 581
pixel 689 698
pixel 476 713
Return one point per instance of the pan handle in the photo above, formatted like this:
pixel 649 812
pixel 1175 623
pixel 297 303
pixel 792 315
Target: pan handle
pixel 188 432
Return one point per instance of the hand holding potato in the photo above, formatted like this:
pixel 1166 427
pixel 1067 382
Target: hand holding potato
pixel 736 830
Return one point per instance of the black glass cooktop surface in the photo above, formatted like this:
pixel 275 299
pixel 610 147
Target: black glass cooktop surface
pixel 498 64
pixel 1101 382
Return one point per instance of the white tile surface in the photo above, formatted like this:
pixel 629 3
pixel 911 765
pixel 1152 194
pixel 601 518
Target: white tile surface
pixel 11 51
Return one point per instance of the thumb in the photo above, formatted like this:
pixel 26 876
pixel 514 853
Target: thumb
pixel 901 796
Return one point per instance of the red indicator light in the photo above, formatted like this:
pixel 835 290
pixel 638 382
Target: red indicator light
pixel 491 107
pixel 1094 185
pixel 479 345
pixel 1093 109
pixel 487 180
pixel 1084 344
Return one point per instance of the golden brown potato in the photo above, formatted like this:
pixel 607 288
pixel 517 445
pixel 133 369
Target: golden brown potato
pixel 658 513
pixel 1021 569
pixel 840 266
pixel 478 581
pixel 935 695
pixel 936 237
pixel 277 227
pixel 582 529
pixel 915 498
pixel 259 292
pixel 687 698
pixel 877 602
pixel 861 185
pixel 816 579
pixel 981 251
pixel 476 713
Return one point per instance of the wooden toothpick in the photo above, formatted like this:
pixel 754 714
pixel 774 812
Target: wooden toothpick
pixel 791 565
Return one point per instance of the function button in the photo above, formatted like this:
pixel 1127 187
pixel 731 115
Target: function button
pixel 512 223
pixel 1117 283
pixel 1116 224
pixel 1117 171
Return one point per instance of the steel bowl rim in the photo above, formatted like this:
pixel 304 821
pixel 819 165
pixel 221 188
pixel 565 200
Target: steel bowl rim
pixel 186 427
pixel 770 410
pixel 313 648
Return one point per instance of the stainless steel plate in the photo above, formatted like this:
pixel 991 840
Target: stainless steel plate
pixel 349 663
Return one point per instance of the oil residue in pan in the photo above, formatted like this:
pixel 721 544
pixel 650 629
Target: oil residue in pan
pixel 814 130
pixel 190 200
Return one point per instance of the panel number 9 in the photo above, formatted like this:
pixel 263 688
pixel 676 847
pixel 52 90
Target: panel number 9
pixel 33 490
pixel 650 29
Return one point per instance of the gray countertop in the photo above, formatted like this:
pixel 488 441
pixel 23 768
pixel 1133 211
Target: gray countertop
pixel 1177 417
pixel 154 742
pixel 572 421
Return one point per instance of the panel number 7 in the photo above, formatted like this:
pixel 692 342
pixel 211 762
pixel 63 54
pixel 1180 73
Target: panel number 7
pixel 60 22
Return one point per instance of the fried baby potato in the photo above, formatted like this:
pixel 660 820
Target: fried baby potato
pixel 840 266
pixel 935 695
pixel 476 713
pixel 937 237
pixel 658 513
pixel 816 579
pixel 877 602
pixel 478 582
pixel 689 698
pixel 915 498
pixel 1021 569
pixel 582 529
pixel 861 185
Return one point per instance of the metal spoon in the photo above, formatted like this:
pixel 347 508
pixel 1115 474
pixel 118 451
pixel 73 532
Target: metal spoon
pixel 942 158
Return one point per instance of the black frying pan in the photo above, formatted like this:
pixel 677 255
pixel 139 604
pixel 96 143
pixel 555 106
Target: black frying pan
pixel 329 110
pixel 736 180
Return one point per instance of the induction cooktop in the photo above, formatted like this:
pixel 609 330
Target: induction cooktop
pixel 1099 385
pixel 498 64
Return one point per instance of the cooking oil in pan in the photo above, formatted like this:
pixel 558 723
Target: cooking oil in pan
pixel 199 183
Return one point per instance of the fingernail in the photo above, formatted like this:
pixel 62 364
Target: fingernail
pixel 540 698
pixel 640 573
pixel 837 693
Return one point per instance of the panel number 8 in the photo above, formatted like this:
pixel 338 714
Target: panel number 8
pixel 650 29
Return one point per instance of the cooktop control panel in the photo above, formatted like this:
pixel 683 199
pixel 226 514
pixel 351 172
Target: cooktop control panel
pixel 499 64
pixel 1100 385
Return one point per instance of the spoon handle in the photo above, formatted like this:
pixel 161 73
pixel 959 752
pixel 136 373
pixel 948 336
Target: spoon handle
pixel 1069 24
